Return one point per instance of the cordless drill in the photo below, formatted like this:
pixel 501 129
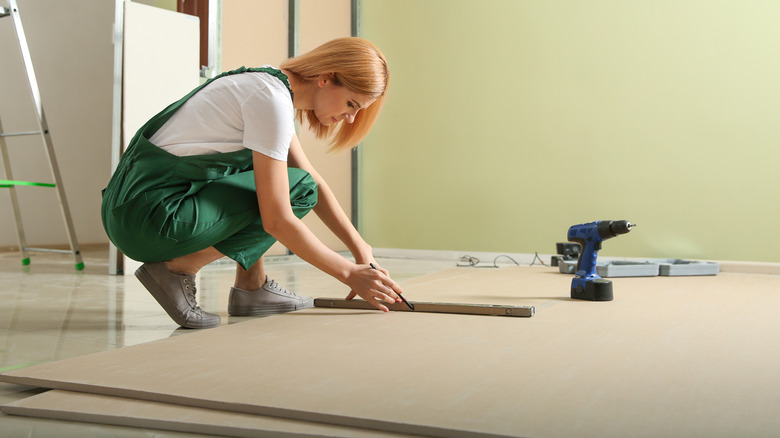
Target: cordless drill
pixel 587 284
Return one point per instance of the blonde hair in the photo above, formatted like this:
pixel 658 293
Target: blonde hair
pixel 356 64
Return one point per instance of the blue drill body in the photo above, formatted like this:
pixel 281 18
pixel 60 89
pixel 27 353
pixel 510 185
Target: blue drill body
pixel 587 284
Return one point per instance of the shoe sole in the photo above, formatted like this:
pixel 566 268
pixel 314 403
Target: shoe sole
pixel 269 310
pixel 162 299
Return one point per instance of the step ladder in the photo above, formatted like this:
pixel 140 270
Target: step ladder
pixel 13 11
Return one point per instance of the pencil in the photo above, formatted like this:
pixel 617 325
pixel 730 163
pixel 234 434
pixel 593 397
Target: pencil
pixel 400 295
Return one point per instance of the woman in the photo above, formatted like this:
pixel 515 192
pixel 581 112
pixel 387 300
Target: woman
pixel 222 173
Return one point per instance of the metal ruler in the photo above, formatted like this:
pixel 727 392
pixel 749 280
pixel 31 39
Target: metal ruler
pixel 467 309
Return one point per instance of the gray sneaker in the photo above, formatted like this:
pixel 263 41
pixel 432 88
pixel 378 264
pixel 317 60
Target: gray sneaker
pixel 271 298
pixel 176 294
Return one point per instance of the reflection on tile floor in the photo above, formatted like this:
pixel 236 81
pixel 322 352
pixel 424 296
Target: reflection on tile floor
pixel 50 312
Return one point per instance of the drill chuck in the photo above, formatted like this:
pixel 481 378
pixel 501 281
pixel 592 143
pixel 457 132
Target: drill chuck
pixel 610 229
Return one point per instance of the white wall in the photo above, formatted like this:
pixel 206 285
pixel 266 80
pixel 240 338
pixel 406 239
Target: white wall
pixel 72 50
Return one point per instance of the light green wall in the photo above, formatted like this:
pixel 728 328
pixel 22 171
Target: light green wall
pixel 509 121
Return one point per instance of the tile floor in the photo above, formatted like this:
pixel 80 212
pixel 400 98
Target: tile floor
pixel 50 312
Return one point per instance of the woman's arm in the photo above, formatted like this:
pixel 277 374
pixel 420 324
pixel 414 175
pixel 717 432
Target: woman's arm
pixel 329 210
pixel 273 195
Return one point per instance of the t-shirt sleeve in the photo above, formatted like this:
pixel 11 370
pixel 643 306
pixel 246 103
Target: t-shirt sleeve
pixel 269 122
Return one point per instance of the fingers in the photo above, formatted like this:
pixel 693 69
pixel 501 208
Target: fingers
pixel 379 306
pixel 374 285
pixel 373 302
pixel 386 292
pixel 390 287
pixel 394 290
pixel 389 296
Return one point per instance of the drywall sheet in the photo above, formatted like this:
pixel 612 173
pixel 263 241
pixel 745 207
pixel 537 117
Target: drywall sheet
pixel 101 409
pixel 697 352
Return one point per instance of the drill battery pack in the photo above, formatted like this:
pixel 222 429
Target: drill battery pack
pixel 591 290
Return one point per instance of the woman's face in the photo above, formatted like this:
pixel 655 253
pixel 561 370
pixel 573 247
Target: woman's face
pixel 334 103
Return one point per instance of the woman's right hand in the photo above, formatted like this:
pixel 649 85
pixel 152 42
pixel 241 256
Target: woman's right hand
pixel 374 286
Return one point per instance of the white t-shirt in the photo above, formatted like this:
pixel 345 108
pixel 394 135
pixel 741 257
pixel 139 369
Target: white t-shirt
pixel 250 110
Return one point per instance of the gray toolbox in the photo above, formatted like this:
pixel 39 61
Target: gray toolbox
pixel 615 268
pixel 678 267
pixel 625 268
pixel 645 268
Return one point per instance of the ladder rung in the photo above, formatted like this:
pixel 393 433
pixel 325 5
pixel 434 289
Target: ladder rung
pixel 61 251
pixel 4 12
pixel 8 183
pixel 17 134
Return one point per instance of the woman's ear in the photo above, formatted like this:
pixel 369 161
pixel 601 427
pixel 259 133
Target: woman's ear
pixel 324 79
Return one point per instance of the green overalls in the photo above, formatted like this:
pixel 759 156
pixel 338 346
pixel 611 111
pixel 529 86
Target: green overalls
pixel 159 206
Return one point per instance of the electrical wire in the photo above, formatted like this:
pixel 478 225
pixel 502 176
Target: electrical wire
pixel 536 257
pixel 473 262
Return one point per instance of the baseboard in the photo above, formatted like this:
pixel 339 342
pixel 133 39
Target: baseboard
pixel 527 259
pixel 459 256
pixel 751 267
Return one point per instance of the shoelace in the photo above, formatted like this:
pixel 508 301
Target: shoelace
pixel 190 292
pixel 274 286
